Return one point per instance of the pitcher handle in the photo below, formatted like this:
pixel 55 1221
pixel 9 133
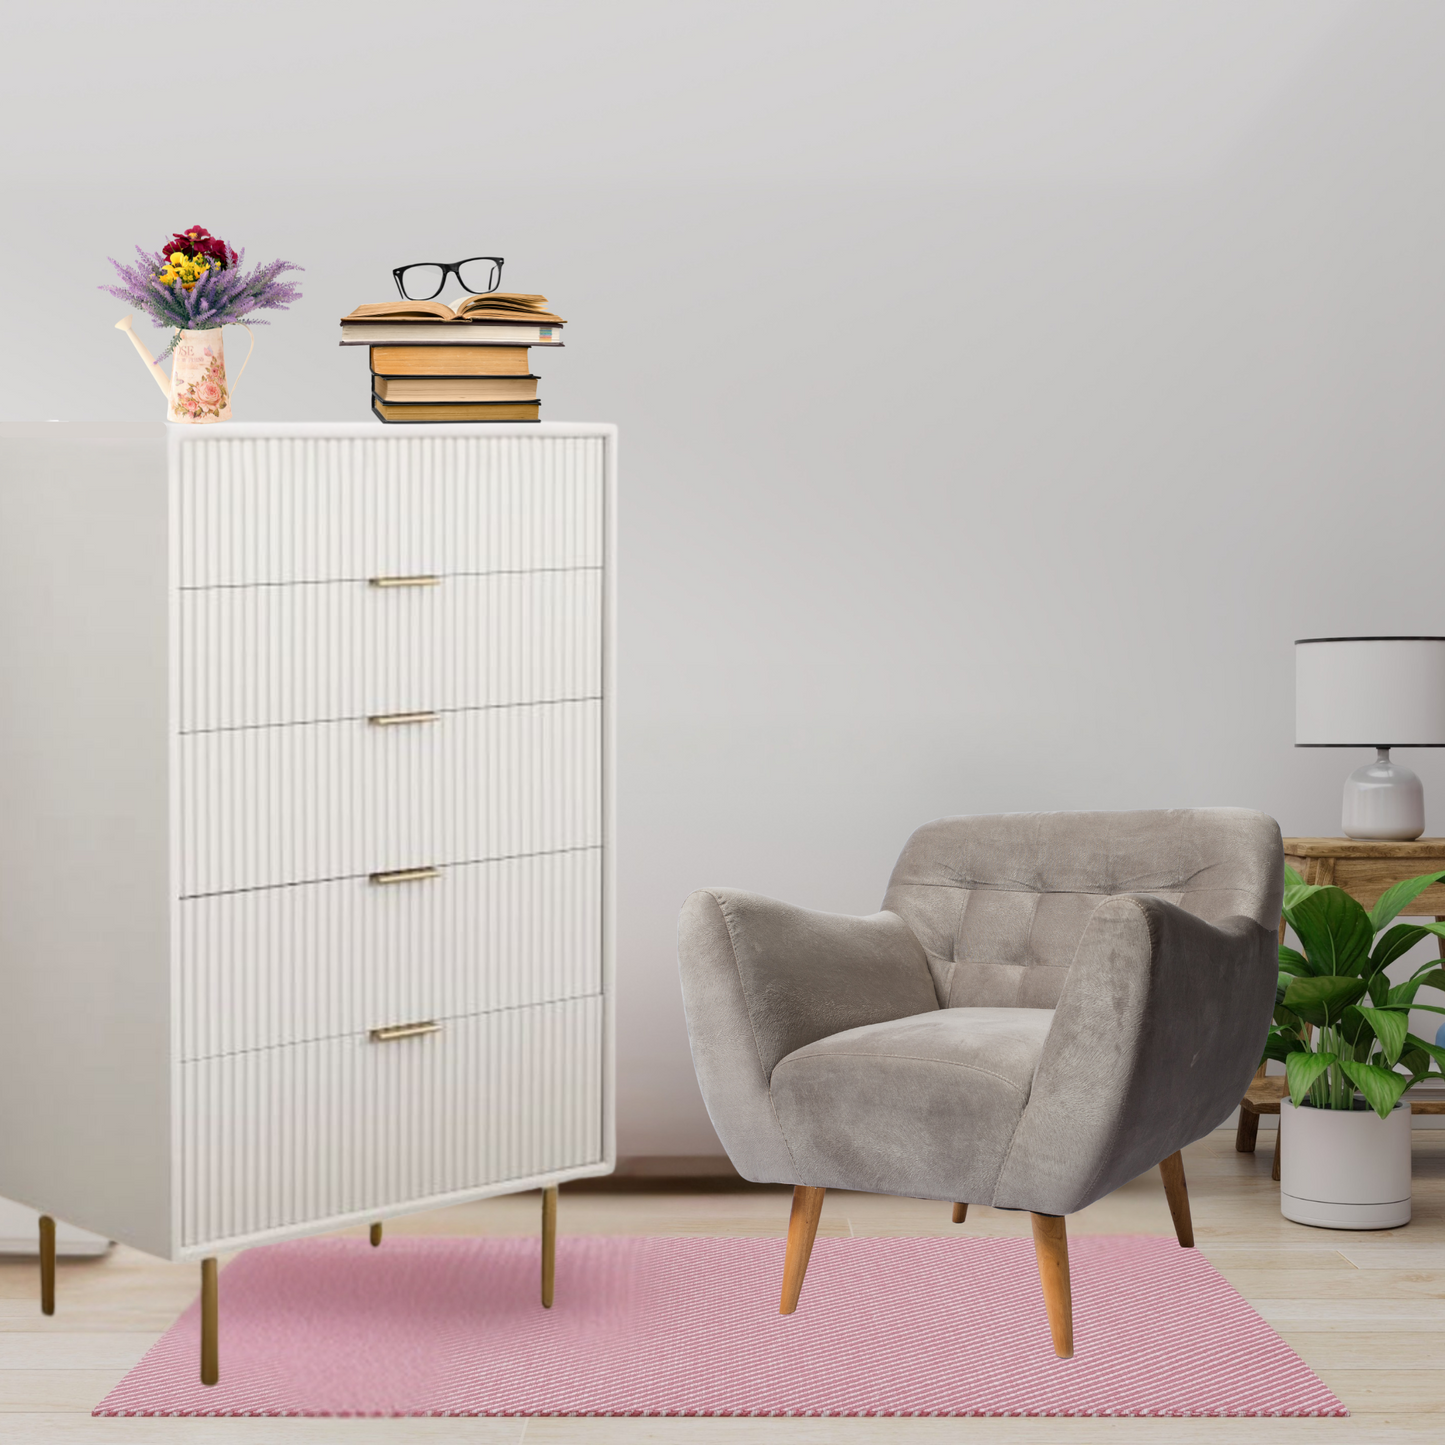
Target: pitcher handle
pixel 235 381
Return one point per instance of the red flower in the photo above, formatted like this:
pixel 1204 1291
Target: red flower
pixel 199 242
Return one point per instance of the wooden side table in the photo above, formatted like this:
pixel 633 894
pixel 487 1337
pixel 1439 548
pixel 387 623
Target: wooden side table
pixel 1364 869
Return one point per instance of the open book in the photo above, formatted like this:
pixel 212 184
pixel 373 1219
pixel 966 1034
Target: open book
pixel 494 306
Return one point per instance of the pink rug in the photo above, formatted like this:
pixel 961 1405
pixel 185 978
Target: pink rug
pixel 690 1326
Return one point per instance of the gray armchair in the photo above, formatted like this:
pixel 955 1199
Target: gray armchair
pixel 1048 1005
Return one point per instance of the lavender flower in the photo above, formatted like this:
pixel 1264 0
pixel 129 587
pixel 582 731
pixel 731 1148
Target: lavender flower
pixel 220 297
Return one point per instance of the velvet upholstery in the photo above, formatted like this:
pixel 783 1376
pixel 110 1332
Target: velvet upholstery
pixel 1048 1005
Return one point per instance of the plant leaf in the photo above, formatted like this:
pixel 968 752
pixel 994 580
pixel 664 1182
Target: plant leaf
pixel 1321 1001
pixel 1335 931
pixel 1287 1018
pixel 1417 1061
pixel 1291 878
pixel 1381 1087
pixel 1393 899
pixel 1433 1050
pixel 1430 977
pixel 1295 964
pixel 1390 1027
pixel 1302 1069
pixel 1402 993
pixel 1279 1046
pixel 1379 987
pixel 1397 942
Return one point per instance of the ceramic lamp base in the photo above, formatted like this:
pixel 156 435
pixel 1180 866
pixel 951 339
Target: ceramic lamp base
pixel 1383 800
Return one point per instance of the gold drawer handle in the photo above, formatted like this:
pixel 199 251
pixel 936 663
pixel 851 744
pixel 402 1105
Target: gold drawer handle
pixel 404 1031
pixel 400 719
pixel 422 579
pixel 406 875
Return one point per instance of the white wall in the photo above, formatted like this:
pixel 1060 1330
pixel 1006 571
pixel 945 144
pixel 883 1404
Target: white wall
pixel 1003 387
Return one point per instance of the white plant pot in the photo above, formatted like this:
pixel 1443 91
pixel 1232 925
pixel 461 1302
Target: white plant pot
pixel 1344 1168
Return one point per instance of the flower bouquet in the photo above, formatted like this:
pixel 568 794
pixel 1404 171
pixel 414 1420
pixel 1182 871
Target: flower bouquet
pixel 196 284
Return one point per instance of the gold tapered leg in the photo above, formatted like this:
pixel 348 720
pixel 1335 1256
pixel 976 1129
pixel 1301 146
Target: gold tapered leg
pixel 47 1265
pixel 960 1213
pixel 802 1228
pixel 376 1234
pixel 1051 1245
pixel 549 1245
pixel 1177 1193
pixel 210 1324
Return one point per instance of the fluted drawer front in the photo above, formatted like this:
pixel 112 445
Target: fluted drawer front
pixel 265 806
pixel 311 1132
pixel 280 965
pixel 253 656
pixel 309 509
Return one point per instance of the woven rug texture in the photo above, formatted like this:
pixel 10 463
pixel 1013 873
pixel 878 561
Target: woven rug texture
pixel 690 1326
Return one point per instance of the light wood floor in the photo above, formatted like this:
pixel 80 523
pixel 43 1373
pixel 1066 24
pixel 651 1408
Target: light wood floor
pixel 1366 1311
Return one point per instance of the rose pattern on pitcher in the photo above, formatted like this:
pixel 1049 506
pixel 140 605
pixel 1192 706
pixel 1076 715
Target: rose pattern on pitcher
pixel 207 395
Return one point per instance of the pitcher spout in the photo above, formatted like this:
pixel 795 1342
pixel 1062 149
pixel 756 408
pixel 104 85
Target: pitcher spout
pixel 161 379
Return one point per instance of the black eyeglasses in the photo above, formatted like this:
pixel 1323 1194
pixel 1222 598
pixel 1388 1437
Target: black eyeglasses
pixel 424 280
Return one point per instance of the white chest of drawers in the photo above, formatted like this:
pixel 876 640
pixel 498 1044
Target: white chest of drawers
pixel 305 739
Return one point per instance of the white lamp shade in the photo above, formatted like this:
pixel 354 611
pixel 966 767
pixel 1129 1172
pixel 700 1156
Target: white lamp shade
pixel 1369 692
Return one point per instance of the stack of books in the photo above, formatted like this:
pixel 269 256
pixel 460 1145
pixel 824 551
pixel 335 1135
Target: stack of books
pixel 430 362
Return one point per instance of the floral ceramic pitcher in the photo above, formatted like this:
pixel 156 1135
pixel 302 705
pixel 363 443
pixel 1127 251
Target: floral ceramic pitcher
pixel 199 390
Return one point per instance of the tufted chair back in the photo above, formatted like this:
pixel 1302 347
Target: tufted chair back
pixel 1000 903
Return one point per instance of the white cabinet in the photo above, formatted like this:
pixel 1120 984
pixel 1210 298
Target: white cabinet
pixel 305 822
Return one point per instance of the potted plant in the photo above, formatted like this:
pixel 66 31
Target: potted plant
pixel 1342 1031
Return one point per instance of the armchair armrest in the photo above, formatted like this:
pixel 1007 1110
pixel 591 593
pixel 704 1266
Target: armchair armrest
pixel 762 978
pixel 1156 1034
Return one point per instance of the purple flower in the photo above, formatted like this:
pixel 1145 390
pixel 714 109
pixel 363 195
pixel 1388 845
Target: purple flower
pixel 220 298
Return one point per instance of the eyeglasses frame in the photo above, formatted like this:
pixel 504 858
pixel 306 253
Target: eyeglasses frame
pixel 453 268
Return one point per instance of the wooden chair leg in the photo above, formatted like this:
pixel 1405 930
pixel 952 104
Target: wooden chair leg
pixel 1051 1245
pixel 960 1213
pixel 376 1234
pixel 210 1324
pixel 47 1265
pixel 802 1229
pixel 1274 1168
pixel 1246 1131
pixel 549 1245
pixel 1177 1193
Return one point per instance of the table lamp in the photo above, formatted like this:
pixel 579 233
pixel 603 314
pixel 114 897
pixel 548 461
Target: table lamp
pixel 1373 692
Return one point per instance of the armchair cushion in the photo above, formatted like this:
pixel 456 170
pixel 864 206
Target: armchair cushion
pixel 762 978
pixel 922 1106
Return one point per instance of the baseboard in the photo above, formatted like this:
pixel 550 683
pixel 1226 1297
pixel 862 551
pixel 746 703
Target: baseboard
pixel 673 1173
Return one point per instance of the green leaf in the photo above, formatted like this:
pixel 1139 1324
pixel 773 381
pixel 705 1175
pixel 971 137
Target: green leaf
pixel 1295 964
pixel 1431 976
pixel 1403 993
pixel 1334 930
pixel 1287 1018
pixel 1433 1050
pixel 1396 942
pixel 1417 1061
pixel 1291 878
pixel 1379 987
pixel 1302 1069
pixel 1393 899
pixel 1280 1046
pixel 1321 1001
pixel 1390 1027
pixel 1381 1087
